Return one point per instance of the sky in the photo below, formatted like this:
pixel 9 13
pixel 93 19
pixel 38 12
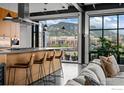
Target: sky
pixel 56 21
pixel 109 22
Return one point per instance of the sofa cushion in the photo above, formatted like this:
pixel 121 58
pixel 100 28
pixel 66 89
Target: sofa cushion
pixel 80 79
pixel 120 75
pixel 89 73
pixel 96 61
pixel 108 66
pixel 72 83
pixel 98 71
pixel 91 81
pixel 115 81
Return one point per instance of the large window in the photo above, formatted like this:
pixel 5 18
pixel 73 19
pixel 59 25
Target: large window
pixel 110 27
pixel 62 33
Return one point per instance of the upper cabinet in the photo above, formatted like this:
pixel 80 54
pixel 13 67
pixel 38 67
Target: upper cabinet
pixel 5 29
pixel 8 29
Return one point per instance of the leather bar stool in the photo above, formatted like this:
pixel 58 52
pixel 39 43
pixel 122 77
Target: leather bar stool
pixel 23 65
pixel 58 57
pixel 40 58
pixel 50 58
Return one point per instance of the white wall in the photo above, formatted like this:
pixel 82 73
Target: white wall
pixel 25 35
pixel 96 12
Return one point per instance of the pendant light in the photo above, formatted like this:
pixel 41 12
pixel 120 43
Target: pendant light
pixel 8 17
pixel 45 26
pixel 63 28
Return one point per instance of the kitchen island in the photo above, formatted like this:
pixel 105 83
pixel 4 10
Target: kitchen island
pixel 10 57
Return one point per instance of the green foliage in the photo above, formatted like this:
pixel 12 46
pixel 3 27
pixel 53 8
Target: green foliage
pixel 67 56
pixel 74 54
pixel 74 57
pixel 107 48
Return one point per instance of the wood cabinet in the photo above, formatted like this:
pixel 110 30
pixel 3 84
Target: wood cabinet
pixel 8 28
pixel 5 29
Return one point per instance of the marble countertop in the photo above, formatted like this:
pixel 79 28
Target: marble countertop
pixel 24 50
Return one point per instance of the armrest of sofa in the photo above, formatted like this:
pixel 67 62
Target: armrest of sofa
pixel 121 68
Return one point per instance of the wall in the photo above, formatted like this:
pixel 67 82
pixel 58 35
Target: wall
pixel 25 35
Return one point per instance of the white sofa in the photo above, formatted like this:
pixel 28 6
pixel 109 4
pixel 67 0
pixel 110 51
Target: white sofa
pixel 95 71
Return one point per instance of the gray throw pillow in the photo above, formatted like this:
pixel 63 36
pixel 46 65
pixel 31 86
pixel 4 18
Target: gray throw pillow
pixel 90 81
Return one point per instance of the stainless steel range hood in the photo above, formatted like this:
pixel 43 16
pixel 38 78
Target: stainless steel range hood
pixel 23 10
pixel 23 14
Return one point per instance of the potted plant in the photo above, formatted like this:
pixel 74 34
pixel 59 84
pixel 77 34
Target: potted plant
pixel 107 48
pixel 67 56
pixel 74 57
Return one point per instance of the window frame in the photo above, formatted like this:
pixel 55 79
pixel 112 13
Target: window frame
pixel 103 30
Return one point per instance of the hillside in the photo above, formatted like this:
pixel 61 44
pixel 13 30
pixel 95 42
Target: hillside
pixel 56 29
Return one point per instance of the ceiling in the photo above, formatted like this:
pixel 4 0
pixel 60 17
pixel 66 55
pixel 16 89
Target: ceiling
pixel 37 7
pixel 41 9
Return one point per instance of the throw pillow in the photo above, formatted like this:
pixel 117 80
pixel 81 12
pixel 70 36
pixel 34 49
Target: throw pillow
pixel 113 60
pixel 97 69
pixel 108 66
pixel 90 81
pixel 80 79
pixel 89 73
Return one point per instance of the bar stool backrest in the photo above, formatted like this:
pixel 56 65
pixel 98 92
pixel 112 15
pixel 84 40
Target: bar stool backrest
pixel 31 60
pixel 58 53
pixel 51 54
pixel 40 55
pixel 18 58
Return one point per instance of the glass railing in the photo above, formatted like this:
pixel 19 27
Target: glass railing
pixel 70 55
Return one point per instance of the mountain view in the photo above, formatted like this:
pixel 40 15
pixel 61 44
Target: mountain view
pixel 106 33
pixel 56 29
